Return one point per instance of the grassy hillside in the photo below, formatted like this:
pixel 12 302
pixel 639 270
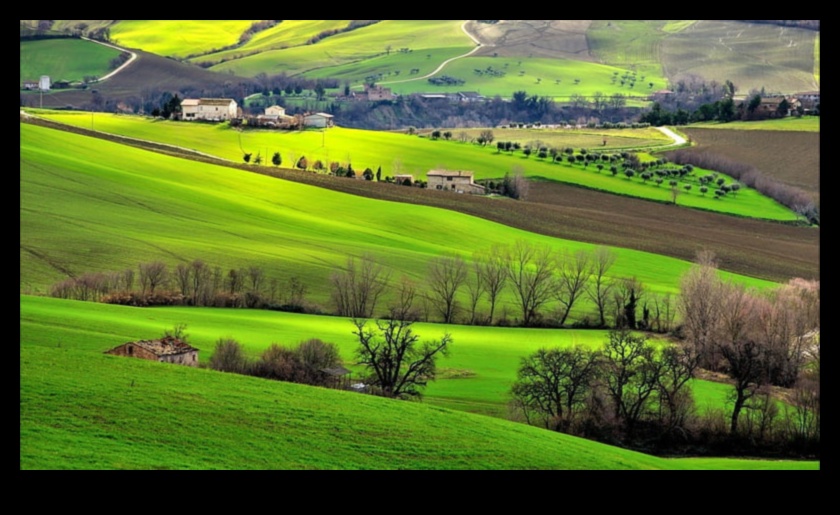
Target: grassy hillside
pixel 81 409
pixel 555 78
pixel 800 124
pixel 87 204
pixel 634 44
pixel 64 59
pixel 286 34
pixel 178 38
pixel 752 56
pixel 431 42
pixel 410 154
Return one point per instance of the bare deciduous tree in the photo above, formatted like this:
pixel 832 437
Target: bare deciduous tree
pixel 398 364
pixel 446 275
pixel 530 270
pixel 600 285
pixel 152 275
pixel 357 288
pixel 573 276
pixel 492 269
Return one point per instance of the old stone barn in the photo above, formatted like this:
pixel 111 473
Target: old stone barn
pixel 167 350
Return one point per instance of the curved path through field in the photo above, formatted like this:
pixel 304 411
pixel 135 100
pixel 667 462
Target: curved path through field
pixel 123 66
pixel 678 140
pixel 443 64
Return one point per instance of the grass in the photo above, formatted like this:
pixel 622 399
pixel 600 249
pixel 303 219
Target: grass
pixel 577 139
pixel 81 409
pixel 178 38
pixel 791 123
pixel 64 59
pixel 730 50
pixel 89 205
pixel 440 39
pixel 555 78
pixel 409 154
pixel 631 44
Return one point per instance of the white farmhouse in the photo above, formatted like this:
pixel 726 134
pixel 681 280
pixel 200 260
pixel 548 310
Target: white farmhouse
pixel 212 109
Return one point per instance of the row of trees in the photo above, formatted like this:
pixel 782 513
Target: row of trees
pixel 194 283
pixel 534 276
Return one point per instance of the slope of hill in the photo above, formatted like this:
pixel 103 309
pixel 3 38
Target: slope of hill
pixel 363 148
pixel 64 59
pixel 89 205
pixel 80 409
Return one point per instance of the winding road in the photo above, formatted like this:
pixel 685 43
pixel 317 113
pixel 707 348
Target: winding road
pixel 123 66
pixel 678 140
pixel 443 64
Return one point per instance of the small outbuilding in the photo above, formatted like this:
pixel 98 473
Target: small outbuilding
pixel 166 350
pixel 318 120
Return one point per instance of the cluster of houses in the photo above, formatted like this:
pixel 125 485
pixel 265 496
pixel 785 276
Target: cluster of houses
pixel 805 102
pixel 226 109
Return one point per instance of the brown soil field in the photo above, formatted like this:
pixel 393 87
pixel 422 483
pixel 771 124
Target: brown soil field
pixel 756 248
pixel 798 165
pixel 617 139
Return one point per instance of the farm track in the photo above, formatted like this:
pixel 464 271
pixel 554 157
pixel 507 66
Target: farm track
pixel 756 248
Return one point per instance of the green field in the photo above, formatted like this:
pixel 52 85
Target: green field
pixel 286 34
pixel 555 78
pixel 802 124
pixel 64 59
pixel 109 207
pixel 81 409
pixel 412 154
pixel 178 38
pixel 647 137
pixel 431 42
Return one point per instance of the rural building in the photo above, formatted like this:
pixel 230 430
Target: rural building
pixel 470 96
pixel 44 83
pixel 458 181
pixel 318 120
pixel 401 178
pixel 166 350
pixel 375 92
pixel 211 109
pixel 808 99
pixel 30 84
pixel 275 116
pixel 769 107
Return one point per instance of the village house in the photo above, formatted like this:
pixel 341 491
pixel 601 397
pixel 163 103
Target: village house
pixel 769 107
pixel 808 99
pixel 373 92
pixel 30 84
pixel 275 116
pixel 166 350
pixel 318 120
pixel 210 109
pixel 458 181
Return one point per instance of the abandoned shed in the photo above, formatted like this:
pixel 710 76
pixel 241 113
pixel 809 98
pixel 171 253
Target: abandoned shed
pixel 166 350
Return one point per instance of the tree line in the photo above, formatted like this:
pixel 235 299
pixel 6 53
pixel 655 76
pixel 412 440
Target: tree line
pixel 635 393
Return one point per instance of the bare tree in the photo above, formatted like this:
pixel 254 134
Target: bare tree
pixel 399 365
pixel 182 278
pixel 573 276
pixel 358 287
pixel 152 275
pixel 446 275
pixel 627 292
pixel 631 376
pixel 552 385
pixel 600 286
pixel 492 269
pixel 201 280
pixel 699 306
pixel 475 289
pixel 402 308
pixel 530 270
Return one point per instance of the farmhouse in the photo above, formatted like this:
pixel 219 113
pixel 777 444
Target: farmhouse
pixel 166 350
pixel 30 84
pixel 769 107
pixel 275 116
pixel 318 120
pixel 211 109
pixel 809 99
pixel 373 92
pixel 458 181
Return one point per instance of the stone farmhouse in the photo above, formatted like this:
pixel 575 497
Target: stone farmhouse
pixel 166 350
pixel 373 92
pixel 458 181
pixel 210 109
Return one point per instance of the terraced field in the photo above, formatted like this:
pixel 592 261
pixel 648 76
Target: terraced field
pixel 415 155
